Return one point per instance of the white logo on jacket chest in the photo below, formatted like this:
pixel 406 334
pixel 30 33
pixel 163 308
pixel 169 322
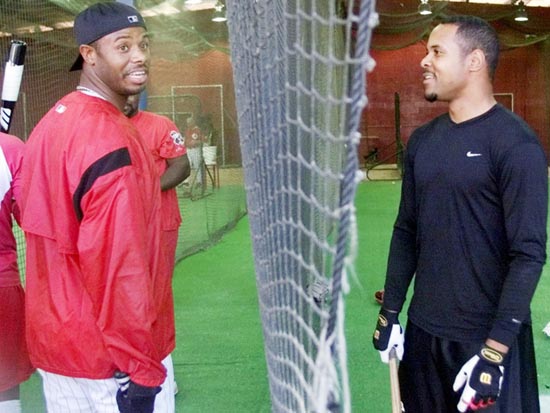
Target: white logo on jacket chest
pixel 471 154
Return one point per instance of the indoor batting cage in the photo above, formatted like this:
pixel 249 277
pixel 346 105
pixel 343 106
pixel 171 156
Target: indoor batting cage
pixel 191 76
pixel 306 108
pixel 278 89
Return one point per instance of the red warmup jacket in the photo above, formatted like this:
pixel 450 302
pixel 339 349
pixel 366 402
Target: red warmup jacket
pixel 11 157
pixel 15 366
pixel 90 211
pixel 164 141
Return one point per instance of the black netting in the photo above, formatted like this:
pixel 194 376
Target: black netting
pixel 190 76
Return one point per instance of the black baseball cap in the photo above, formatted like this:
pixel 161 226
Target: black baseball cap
pixel 101 19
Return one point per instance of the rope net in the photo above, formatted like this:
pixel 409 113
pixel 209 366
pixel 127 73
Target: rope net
pixel 190 76
pixel 299 74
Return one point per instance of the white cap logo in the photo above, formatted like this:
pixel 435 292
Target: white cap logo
pixel 133 19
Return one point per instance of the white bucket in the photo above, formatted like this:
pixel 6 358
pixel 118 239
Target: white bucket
pixel 209 154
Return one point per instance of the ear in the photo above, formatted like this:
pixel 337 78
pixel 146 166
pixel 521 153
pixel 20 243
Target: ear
pixel 88 53
pixel 476 60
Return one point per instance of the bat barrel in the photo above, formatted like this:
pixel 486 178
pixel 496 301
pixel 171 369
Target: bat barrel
pixel 13 75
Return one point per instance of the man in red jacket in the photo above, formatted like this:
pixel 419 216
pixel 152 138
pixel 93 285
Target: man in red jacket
pixel 91 215
pixel 165 143
pixel 15 366
pixel 194 141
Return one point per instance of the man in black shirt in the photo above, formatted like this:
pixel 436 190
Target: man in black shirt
pixel 471 229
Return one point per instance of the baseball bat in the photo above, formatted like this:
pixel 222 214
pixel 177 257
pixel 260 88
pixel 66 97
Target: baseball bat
pixel 396 406
pixel 123 380
pixel 13 75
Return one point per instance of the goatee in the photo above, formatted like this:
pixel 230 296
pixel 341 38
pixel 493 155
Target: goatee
pixel 432 97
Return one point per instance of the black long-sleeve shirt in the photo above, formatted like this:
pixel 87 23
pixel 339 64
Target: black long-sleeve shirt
pixel 471 227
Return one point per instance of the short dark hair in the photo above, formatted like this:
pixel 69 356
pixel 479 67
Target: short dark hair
pixel 475 33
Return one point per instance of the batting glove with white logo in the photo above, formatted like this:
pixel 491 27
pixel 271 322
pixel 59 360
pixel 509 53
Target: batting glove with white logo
pixel 481 378
pixel 388 334
pixel 134 398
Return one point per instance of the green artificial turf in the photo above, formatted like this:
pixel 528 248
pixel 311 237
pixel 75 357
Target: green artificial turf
pixel 219 359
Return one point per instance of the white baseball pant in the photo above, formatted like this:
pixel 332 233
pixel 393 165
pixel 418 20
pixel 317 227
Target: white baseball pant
pixel 65 394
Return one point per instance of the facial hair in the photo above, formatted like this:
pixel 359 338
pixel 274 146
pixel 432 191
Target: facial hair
pixel 431 97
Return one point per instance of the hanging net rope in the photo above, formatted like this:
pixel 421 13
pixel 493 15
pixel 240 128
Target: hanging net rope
pixel 299 71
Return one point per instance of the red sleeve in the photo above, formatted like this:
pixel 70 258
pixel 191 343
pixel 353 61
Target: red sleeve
pixel 171 145
pixel 14 149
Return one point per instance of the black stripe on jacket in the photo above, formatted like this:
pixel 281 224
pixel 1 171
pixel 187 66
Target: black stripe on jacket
pixel 104 165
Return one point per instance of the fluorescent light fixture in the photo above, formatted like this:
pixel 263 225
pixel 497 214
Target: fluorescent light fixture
pixel 531 3
pixel 163 9
pixel 199 5
pixel 33 29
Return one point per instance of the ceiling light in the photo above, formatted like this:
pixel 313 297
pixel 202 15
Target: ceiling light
pixel 424 8
pixel 197 5
pixel 521 13
pixel 219 12
pixel 163 9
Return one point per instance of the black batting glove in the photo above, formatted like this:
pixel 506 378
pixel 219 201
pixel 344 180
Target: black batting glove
pixel 388 334
pixel 134 398
pixel 481 378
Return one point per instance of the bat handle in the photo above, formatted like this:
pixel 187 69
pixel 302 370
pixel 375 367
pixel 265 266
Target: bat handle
pixel 396 405
pixel 123 380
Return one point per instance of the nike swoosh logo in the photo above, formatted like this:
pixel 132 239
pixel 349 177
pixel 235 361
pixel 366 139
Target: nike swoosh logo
pixel 470 154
